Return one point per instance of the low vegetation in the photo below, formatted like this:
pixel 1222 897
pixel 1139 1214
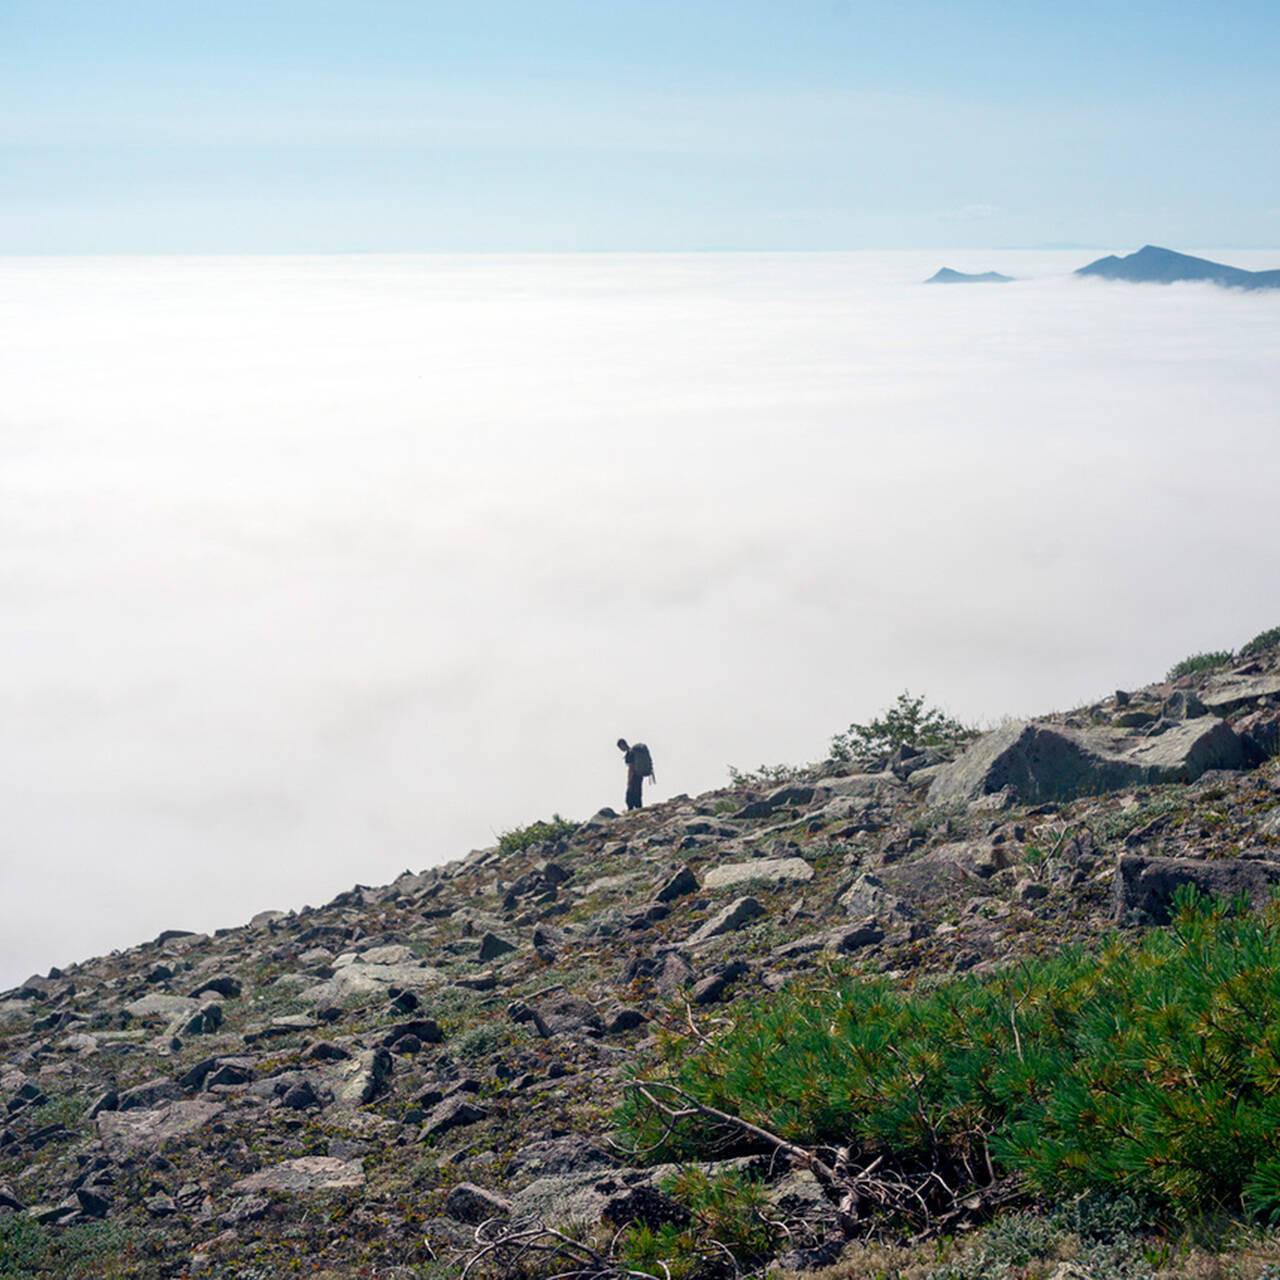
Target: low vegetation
pixel 909 722
pixel 1148 1072
pixel 1211 661
pixel 539 832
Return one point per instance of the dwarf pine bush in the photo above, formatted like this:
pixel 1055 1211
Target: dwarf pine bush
pixel 1148 1070
pixel 535 833
pixel 1200 662
pixel 907 723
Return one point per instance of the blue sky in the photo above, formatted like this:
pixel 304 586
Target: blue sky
pixel 315 125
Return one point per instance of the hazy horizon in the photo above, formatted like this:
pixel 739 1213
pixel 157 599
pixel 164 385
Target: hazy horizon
pixel 314 569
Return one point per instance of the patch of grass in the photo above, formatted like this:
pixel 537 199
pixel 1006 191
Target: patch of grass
pixel 1200 662
pixel 28 1249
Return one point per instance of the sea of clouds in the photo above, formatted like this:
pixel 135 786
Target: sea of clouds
pixel 315 569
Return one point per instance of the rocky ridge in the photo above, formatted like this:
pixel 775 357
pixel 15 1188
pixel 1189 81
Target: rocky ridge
pixel 357 1087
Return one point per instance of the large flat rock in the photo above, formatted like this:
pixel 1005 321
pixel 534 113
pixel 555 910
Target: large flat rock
pixel 159 1005
pixel 1226 693
pixel 126 1132
pixel 1040 762
pixel 372 980
pixel 768 870
pixel 308 1173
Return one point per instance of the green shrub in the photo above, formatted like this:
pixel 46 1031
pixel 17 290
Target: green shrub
pixel 1262 641
pixel 908 722
pixel 767 775
pixel 729 1213
pixel 1200 662
pixel 535 833
pixel 1150 1071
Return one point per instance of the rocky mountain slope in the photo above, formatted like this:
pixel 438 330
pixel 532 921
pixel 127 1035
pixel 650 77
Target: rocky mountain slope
pixel 357 1089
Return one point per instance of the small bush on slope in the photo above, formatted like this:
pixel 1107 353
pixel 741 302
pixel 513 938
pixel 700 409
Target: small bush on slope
pixel 908 722
pixel 535 833
pixel 1262 641
pixel 1149 1070
pixel 1200 662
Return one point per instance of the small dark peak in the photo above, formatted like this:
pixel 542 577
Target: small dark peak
pixel 947 276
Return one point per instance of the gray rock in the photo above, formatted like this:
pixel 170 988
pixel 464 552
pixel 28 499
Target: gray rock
pixel 367 1076
pixel 470 1203
pixel 159 1005
pixel 149 1094
pixel 427 1030
pixel 453 1113
pixel 572 1153
pixel 766 870
pixel 1230 692
pixel 1042 762
pixel 787 796
pixel 677 886
pixel 205 1021
pixel 623 1018
pixel 1260 733
pixel 124 1133
pixel 618 1196
pixel 308 1173
pixel 492 946
pixel 1145 886
pixel 673 976
pixel 94 1202
pixel 223 985
pixel 547 942
pixel 738 913
pixel 569 1014
pixel 1182 704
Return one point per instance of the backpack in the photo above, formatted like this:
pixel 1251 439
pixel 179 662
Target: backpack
pixel 641 761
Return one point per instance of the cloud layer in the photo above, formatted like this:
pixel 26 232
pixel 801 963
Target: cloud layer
pixel 315 569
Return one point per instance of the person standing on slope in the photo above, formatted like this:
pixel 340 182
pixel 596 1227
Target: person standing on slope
pixel 639 767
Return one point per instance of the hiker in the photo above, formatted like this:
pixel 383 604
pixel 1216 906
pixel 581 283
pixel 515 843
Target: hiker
pixel 639 767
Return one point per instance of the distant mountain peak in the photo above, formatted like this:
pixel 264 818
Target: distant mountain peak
pixel 1153 264
pixel 947 276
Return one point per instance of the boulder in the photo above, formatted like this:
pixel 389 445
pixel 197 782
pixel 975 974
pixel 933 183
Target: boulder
pixel 784 797
pixel 367 1076
pixel 1260 734
pixel 766 870
pixel 149 1094
pixel 573 1153
pixel 738 913
pixel 618 1196
pixel 1042 762
pixel 125 1132
pixel 1228 693
pixel 159 1005
pixel 470 1203
pixel 677 886
pixel 308 1173
pixel 492 946
pixel 453 1113
pixel 1145 886
pixel 223 985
